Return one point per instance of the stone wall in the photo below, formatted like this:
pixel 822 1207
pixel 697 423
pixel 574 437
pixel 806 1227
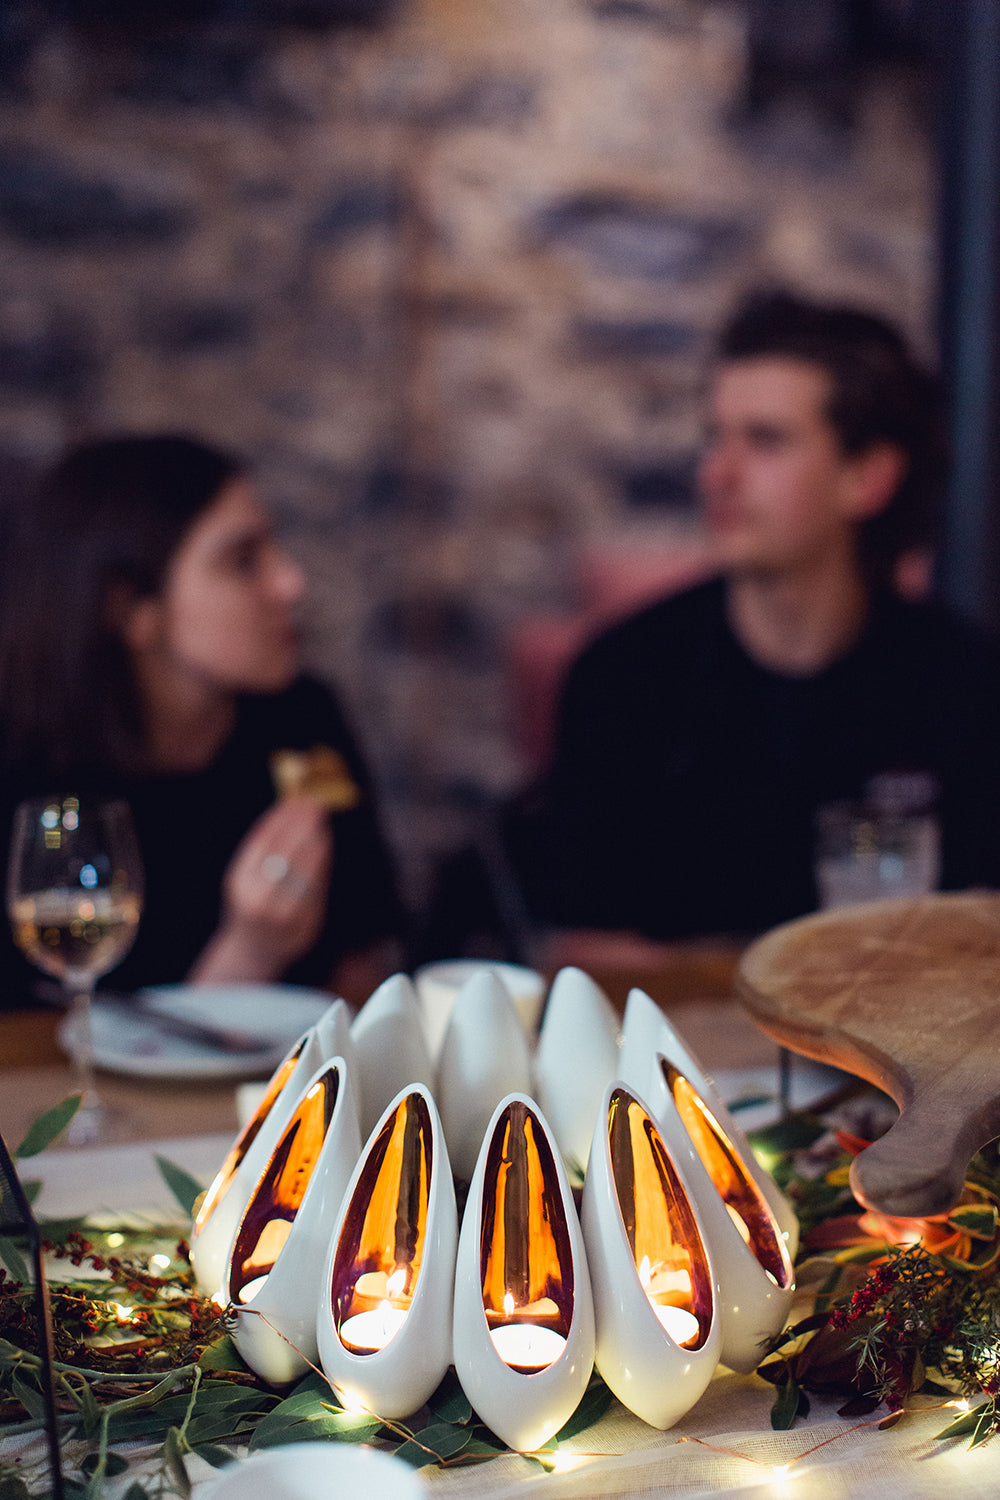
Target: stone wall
pixel 447 280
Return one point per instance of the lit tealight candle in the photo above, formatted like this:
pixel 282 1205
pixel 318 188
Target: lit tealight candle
pixel 681 1325
pixel 529 1346
pixel 250 1291
pixel 368 1331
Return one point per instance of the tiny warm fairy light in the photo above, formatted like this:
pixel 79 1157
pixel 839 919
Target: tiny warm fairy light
pixel 123 1313
pixel 161 1262
pixel 115 1240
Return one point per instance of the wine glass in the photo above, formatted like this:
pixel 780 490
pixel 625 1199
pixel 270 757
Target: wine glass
pixel 74 896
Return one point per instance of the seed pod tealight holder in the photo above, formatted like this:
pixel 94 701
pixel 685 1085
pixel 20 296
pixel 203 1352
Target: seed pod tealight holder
pixel 749 1252
pixel 390 1048
pixel 226 1198
pixel 524 1320
pixel 647 1035
pixel 577 1058
pixel 385 1305
pixel 282 1240
pixel 658 1330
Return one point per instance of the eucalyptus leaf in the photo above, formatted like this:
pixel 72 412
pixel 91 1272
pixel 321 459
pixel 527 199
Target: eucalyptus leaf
pixel 185 1188
pixel 14 1261
pixel 29 1398
pixel 173 1453
pixel 43 1130
pixel 449 1402
pixel 793 1134
pixel 986 1426
pixel 593 1404
pixel 223 1355
pixel 217 1457
pixel 135 1491
pixel 411 1453
pixel 444 1438
pixel 480 1447
pixel 311 1390
pixel 114 1463
pixel 337 1427
pixel 31 1189
pixel 962 1425
pixel 786 1406
pixel 977 1219
pixel 88 1408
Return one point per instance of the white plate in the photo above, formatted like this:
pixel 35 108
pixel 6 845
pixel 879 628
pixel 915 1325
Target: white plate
pixel 135 1045
pixel 753 1094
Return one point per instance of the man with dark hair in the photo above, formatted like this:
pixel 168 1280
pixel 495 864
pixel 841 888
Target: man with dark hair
pixel 698 738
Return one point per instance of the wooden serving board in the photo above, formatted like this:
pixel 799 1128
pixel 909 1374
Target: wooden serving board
pixel 907 995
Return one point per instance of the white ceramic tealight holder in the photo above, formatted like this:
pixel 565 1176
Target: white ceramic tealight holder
pixel 223 1204
pixel 305 1471
pixel 524 1319
pixel 283 1237
pixel 755 1279
pixel 438 985
pixel 658 1329
pixel 484 1058
pixel 389 1047
pixel 577 1058
pixel 647 1035
pixel 385 1300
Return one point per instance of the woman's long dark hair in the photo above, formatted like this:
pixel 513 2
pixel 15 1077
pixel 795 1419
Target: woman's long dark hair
pixel 98 531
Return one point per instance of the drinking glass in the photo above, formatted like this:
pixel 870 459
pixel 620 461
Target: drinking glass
pixel 867 851
pixel 74 896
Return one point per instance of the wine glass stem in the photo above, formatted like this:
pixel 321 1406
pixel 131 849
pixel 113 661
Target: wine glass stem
pixel 83 1049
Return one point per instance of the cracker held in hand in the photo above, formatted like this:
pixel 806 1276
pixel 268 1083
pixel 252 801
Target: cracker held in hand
pixel 320 773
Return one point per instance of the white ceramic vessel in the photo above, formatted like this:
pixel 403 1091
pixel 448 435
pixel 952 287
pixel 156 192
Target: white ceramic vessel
pixel 438 984
pixel 390 1048
pixel 227 1196
pixel 484 1058
pixel 647 1035
pixel 524 1320
pixel 304 1471
pixel 658 1328
pixel 577 1058
pixel 755 1280
pixel 386 1292
pixel 281 1243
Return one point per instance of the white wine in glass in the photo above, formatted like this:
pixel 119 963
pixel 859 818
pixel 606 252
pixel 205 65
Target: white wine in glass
pixel 74 897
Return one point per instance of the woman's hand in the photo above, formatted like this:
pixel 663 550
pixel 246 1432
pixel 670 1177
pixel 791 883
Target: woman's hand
pixel 274 895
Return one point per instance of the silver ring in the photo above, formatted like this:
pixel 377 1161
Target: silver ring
pixel 275 868
pixel 280 871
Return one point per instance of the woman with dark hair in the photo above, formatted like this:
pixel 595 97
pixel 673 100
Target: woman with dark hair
pixel 148 648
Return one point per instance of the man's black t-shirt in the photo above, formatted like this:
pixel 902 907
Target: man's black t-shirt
pixel 686 777
pixel 189 826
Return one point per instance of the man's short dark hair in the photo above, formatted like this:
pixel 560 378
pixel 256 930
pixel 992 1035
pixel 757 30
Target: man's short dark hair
pixel 879 392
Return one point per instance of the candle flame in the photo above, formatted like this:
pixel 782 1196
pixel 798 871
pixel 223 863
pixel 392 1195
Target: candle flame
pixel 396 1281
pixel 508 1304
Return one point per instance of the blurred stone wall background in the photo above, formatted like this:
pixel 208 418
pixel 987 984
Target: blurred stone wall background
pixel 448 280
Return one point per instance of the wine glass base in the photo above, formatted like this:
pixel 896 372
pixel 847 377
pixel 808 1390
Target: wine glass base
pixel 98 1124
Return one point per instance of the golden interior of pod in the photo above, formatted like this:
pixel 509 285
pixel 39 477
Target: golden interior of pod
pixel 748 1208
pixel 270 1214
pixel 526 1260
pixel 224 1177
pixel 669 1254
pixel 384 1233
